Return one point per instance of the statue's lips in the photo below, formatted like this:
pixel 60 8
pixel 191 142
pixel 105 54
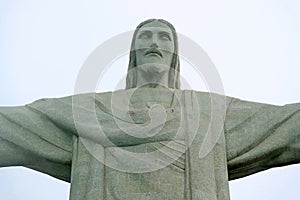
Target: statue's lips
pixel 154 51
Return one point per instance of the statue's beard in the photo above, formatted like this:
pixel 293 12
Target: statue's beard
pixel 152 74
pixel 153 68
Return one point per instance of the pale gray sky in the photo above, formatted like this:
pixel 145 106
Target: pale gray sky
pixel 254 44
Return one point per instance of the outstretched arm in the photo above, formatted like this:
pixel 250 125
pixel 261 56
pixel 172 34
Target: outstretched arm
pixel 261 136
pixel 29 138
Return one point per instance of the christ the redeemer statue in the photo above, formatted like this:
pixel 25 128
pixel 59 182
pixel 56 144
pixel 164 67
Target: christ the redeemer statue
pixel 145 142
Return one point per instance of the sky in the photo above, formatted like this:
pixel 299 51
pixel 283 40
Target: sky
pixel 254 46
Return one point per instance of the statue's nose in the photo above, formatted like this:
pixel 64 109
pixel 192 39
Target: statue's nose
pixel 154 45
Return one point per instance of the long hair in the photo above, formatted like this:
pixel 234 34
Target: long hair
pixel 174 79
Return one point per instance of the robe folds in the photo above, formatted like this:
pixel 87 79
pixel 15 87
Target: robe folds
pixel 149 143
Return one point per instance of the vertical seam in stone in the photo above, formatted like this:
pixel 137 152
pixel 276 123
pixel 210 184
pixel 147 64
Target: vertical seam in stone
pixel 74 162
pixel 187 172
pixel 104 174
pixel 215 173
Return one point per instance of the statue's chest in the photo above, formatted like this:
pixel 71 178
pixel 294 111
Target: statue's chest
pixel 154 171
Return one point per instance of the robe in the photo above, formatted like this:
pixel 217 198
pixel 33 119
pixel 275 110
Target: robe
pixel 149 143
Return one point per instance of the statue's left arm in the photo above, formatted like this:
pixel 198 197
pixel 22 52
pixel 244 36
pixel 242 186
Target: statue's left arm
pixel 261 136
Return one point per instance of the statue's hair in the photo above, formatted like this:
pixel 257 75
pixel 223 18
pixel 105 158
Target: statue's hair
pixel 174 79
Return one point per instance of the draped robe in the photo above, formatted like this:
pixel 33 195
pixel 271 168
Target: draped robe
pixel 205 140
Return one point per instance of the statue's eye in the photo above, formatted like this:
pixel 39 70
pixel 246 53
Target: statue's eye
pixel 144 35
pixel 165 36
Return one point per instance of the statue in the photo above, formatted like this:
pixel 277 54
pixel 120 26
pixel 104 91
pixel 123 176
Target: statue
pixel 136 156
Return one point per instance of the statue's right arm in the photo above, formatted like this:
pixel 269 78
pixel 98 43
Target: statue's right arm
pixel 40 135
pixel 28 137
pixel 45 128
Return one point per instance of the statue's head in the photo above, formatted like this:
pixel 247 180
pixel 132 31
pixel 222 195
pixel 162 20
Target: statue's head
pixel 154 41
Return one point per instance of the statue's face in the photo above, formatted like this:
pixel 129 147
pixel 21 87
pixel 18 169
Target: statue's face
pixel 154 43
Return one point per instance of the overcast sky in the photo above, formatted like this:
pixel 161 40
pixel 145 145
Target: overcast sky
pixel 254 45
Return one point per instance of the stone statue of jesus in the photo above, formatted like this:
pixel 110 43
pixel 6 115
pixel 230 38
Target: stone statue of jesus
pixel 145 142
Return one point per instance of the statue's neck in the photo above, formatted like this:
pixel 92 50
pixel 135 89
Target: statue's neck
pixel 152 76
